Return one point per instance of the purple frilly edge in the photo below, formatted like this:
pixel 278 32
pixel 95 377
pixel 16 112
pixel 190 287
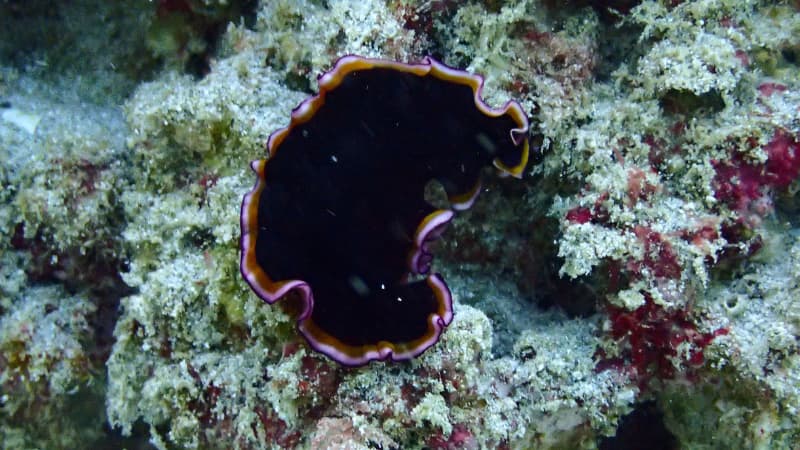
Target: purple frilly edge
pixel 385 353
pixel 419 262
pixel 518 135
pixel 433 230
pixel 244 242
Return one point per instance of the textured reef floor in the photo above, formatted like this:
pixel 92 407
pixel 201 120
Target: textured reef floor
pixel 640 284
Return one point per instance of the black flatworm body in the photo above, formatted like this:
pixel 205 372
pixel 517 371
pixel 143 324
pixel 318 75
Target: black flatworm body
pixel 338 212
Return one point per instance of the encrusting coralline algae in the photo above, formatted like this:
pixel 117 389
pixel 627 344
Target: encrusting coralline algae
pixel 650 256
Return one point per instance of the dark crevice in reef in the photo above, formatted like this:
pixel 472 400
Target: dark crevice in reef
pixel 617 39
pixel 642 428
pixel 508 240
pixel 111 47
pixel 96 50
pixel 95 272
pixel 139 438
pixel 185 22
pixel 787 208
pixel 616 45
pixel 539 262
pixel 577 298
pixel 609 11
pixel 539 266
pixel 683 102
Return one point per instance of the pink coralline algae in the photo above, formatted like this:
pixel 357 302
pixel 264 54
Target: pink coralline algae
pixel 651 337
pixel 596 214
pixel 744 186
pixel 460 438
pixel 783 165
pixel 767 89
pixel 659 256
pixel 579 215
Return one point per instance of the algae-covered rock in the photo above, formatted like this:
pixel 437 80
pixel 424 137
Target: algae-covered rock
pixel 648 259
pixel 52 395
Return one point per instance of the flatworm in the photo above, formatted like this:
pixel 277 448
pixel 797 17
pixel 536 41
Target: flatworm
pixel 338 213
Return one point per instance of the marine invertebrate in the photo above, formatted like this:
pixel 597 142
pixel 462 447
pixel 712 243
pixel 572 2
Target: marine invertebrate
pixel 338 212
